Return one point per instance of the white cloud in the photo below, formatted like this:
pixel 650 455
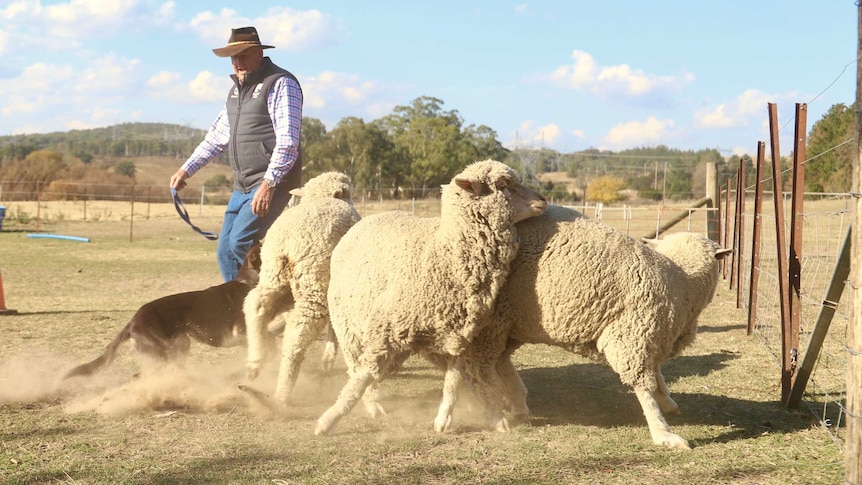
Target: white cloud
pixel 748 108
pixel 585 74
pixel 205 87
pixel 579 134
pixel 282 27
pixel 83 18
pixel 716 118
pixel 30 26
pixel 209 87
pixel 652 131
pixel 163 79
pixel 332 87
pixel 57 97
pixel 108 74
pixel 530 135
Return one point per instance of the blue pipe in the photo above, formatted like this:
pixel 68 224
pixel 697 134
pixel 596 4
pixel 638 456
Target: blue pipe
pixel 59 236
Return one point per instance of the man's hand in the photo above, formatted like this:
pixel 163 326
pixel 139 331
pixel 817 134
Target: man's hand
pixel 262 200
pixel 178 180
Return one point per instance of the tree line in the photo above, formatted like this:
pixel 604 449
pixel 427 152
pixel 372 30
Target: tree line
pixel 421 146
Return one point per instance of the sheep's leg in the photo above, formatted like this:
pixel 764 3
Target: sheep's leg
pixel 330 350
pixel 658 428
pixel 487 384
pixel 515 390
pixel 259 310
pixel 662 395
pixel 617 347
pixel 349 396
pixel 451 382
pixel 371 400
pixel 302 327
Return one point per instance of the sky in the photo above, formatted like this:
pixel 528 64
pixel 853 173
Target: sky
pixel 565 75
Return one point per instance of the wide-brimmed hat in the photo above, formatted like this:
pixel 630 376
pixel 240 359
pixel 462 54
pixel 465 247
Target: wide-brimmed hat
pixel 240 40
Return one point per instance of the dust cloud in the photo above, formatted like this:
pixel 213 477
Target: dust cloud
pixel 213 381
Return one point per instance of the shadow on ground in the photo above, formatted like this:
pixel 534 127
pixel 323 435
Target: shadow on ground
pixel 592 395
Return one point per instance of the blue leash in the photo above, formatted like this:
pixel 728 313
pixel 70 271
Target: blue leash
pixel 184 214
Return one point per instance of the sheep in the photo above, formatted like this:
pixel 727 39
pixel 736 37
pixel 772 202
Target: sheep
pixel 588 288
pixel 294 277
pixel 401 284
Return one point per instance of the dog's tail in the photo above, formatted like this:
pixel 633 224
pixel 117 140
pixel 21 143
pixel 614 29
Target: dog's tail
pixel 101 361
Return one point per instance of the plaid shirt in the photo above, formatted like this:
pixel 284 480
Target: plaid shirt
pixel 284 103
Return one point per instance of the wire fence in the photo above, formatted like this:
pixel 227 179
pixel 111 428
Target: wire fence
pixel 790 266
pixel 825 223
pixel 33 206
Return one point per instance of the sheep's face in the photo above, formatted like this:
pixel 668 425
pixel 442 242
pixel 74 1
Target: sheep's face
pixel 526 202
pixel 490 177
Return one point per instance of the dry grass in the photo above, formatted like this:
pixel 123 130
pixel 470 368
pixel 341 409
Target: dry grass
pixel 194 426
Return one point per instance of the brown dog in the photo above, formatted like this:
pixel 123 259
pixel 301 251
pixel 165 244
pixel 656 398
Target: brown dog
pixel 162 329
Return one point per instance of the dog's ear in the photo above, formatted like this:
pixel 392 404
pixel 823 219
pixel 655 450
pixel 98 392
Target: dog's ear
pixel 249 273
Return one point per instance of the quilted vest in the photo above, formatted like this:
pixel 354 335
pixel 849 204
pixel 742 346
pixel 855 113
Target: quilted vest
pixel 252 136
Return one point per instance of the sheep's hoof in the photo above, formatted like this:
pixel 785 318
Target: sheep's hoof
pixel 502 426
pixel 441 424
pixel 252 370
pixel 671 440
pixel 374 409
pixel 321 429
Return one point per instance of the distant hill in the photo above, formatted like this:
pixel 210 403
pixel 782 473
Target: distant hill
pixel 122 140
pixel 131 131
pixel 157 171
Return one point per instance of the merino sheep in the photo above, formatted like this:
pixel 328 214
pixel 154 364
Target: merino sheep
pixel 588 288
pixel 294 276
pixel 403 284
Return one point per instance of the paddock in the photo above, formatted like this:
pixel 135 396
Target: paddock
pixel 195 426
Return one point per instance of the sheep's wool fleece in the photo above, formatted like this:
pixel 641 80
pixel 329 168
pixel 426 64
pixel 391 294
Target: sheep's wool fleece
pixel 302 239
pixel 577 283
pixel 326 186
pixel 402 283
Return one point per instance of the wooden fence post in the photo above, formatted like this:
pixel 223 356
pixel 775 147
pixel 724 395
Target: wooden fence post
pixel 778 200
pixel 853 443
pixel 754 281
pixel 712 220
pixel 740 220
pixel 794 265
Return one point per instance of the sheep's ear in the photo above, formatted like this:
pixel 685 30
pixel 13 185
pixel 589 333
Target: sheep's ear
pixel 297 191
pixel 503 183
pixel 723 253
pixel 649 242
pixel 472 185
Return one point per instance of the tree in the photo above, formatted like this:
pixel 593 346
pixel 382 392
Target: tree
pixel 357 149
pixel 428 140
pixel 311 142
pixel 830 165
pixel 605 189
pixel 483 140
pixel 679 184
pixel 127 168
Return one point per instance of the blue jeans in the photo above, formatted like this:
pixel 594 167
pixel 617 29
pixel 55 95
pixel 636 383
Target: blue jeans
pixel 241 229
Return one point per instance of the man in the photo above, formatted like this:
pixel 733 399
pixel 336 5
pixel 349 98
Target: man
pixel 259 130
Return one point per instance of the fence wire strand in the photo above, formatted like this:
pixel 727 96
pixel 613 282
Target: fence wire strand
pixel 824 228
